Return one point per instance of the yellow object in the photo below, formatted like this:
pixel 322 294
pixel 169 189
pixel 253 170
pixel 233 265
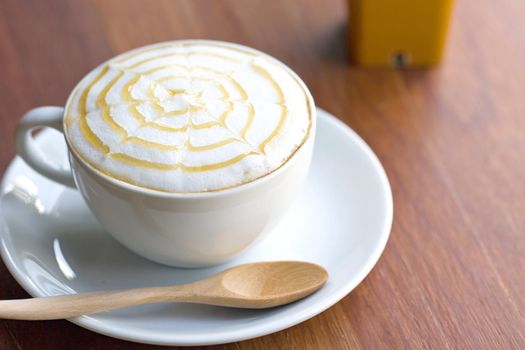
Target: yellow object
pixel 398 33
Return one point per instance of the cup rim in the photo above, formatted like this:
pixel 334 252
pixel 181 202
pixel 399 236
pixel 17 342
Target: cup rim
pixel 203 194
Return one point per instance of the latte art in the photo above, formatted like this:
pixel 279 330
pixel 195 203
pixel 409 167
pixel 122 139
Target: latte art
pixel 188 116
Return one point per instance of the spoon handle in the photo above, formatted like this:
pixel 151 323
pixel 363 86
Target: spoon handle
pixel 66 306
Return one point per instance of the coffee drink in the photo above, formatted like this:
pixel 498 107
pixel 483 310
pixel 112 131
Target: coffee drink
pixel 186 152
pixel 188 116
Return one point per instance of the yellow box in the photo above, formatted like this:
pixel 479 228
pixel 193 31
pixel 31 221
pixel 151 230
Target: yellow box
pixel 399 33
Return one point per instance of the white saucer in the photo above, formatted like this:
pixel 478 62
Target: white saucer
pixel 52 245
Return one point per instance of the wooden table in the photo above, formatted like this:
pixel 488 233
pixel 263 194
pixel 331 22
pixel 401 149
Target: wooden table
pixel 452 140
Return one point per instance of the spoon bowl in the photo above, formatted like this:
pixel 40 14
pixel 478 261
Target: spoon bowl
pixel 273 283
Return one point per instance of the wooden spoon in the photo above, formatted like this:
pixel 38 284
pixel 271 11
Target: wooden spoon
pixel 254 286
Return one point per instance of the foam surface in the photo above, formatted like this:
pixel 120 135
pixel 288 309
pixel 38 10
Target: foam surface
pixel 188 116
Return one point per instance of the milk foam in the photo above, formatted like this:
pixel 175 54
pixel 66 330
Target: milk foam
pixel 188 116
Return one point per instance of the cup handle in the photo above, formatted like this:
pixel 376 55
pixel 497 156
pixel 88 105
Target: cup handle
pixel 26 147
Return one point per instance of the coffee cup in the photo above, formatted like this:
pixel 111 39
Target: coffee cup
pixel 178 228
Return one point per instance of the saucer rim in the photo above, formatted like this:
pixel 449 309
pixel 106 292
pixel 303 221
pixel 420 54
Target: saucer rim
pixel 250 332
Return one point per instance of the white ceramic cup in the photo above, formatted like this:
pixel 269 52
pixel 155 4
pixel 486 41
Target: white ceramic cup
pixel 178 229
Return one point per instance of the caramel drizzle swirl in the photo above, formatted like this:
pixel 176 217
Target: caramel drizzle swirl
pixel 126 94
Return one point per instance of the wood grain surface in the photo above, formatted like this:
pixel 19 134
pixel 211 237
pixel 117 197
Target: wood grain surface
pixel 452 140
